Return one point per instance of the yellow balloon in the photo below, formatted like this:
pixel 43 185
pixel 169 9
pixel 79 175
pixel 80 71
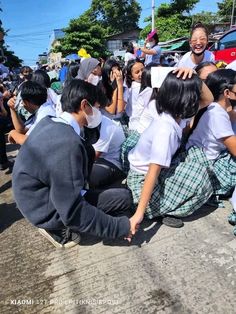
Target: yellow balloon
pixel 82 53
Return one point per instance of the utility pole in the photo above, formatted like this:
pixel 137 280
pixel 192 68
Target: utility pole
pixel 153 14
pixel 232 15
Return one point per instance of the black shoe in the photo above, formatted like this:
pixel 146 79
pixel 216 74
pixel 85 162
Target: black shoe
pixel 6 165
pixel 63 238
pixel 172 222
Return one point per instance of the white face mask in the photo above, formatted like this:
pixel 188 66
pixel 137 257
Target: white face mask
pixel 93 79
pixel 95 119
pixel 152 43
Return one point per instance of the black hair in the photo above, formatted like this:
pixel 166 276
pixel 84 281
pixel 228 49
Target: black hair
pixel 220 80
pixel 156 38
pixel 71 72
pixel 42 78
pixel 197 26
pixel 130 47
pixel 106 71
pixel 26 68
pixel 128 70
pixel 202 65
pixel 75 92
pixel 146 76
pixel 34 93
pixel 146 80
pixel 178 97
pixel 101 97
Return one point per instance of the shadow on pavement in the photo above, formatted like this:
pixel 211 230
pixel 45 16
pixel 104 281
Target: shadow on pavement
pixel 5 186
pixel 205 210
pixel 8 215
pixel 147 230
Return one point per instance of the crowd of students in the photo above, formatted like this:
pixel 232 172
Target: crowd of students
pixel 115 146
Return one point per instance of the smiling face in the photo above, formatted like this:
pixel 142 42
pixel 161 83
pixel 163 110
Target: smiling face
pixel 198 41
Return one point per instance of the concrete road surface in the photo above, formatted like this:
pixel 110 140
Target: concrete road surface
pixel 164 270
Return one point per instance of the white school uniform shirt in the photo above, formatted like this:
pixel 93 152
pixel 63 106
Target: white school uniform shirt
pixel 129 56
pixel 110 141
pixel 231 65
pixel 214 125
pixel 149 113
pixel 186 60
pixel 52 97
pixel 138 108
pixel 132 97
pixel 158 143
pixel 44 110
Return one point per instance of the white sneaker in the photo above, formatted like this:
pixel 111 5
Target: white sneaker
pixel 63 238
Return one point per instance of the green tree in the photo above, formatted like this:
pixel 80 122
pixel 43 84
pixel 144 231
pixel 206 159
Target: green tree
pixel 83 32
pixel 12 59
pixel 207 18
pixel 172 20
pixel 225 10
pixel 105 17
pixel 116 15
pixel 176 7
pixel 170 27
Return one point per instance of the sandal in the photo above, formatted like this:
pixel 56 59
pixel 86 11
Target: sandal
pixel 172 222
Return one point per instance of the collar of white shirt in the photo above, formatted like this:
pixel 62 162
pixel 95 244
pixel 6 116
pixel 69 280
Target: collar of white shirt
pixel 68 118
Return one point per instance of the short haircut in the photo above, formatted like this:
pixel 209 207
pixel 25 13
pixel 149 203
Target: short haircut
pixel 178 97
pixel 34 93
pixel 42 78
pixel 202 65
pixel 75 92
pixel 220 80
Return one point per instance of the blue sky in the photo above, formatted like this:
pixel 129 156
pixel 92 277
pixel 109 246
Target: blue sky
pixel 31 22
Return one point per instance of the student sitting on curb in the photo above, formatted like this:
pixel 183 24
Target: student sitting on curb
pixel 50 176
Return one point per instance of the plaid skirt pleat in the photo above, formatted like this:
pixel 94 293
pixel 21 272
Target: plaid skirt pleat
pixel 126 147
pixel 224 168
pixel 181 189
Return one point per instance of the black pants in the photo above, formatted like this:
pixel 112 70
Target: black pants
pixel 114 201
pixel 104 174
pixel 3 154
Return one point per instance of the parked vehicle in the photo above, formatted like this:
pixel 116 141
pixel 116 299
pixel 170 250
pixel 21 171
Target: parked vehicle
pixel 225 47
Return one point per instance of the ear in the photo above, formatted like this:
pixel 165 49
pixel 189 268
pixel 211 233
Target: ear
pixel 83 104
pixel 226 93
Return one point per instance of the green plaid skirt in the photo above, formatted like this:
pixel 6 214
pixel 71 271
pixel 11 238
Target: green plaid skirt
pixel 224 173
pixel 181 189
pixel 126 147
